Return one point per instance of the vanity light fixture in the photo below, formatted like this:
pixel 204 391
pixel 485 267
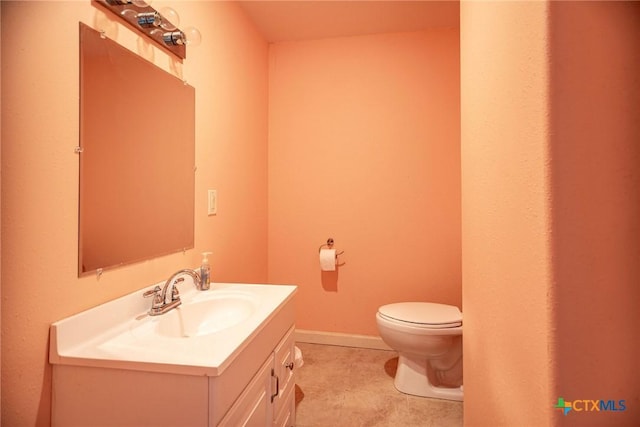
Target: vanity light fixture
pixel 161 26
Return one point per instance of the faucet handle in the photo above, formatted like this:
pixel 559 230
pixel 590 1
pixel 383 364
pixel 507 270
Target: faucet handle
pixel 175 294
pixel 156 293
pixel 152 292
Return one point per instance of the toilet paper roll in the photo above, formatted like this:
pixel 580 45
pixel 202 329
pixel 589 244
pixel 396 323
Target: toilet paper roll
pixel 298 358
pixel 328 259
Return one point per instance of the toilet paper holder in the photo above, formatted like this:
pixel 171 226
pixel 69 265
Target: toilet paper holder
pixel 329 245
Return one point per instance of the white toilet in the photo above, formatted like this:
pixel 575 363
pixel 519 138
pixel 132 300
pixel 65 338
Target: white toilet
pixel 428 339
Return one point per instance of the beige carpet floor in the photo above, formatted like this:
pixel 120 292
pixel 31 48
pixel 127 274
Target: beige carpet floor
pixel 351 387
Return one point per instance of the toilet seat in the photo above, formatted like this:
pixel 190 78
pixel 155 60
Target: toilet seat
pixel 423 314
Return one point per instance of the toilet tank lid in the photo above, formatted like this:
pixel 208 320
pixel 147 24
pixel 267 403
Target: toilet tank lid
pixel 426 313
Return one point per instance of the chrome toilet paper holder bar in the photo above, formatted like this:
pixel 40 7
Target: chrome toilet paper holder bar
pixel 329 245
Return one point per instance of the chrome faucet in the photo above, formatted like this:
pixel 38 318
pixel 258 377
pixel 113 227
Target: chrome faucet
pixel 163 300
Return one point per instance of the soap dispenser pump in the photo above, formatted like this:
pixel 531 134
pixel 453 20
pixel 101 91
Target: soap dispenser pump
pixel 205 271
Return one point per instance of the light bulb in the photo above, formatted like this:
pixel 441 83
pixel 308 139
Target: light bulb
pixel 170 18
pixel 129 14
pixel 192 36
pixel 156 33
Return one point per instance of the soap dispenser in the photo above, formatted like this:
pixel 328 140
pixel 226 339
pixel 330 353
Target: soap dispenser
pixel 205 271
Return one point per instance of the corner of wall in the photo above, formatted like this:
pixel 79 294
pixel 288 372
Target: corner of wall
pixel 505 213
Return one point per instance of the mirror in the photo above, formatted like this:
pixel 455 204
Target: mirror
pixel 137 157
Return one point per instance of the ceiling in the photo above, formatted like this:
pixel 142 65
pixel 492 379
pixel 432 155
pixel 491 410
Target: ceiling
pixel 314 19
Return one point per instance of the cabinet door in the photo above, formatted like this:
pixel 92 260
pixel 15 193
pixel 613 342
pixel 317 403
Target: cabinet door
pixel 253 408
pixel 285 372
pixel 286 417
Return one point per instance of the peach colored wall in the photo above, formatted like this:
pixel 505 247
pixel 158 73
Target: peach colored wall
pixel 595 116
pixel 364 148
pixel 550 208
pixel 506 265
pixel 40 177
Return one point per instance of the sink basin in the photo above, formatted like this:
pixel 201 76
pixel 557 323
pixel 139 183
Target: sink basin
pixel 200 316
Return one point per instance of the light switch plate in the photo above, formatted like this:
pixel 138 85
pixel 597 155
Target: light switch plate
pixel 212 206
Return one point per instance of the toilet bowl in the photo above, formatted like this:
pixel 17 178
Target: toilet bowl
pixel 428 339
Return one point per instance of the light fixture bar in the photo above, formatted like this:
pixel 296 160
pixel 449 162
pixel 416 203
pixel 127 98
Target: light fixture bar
pixel 141 19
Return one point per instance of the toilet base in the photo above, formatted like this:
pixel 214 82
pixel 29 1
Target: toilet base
pixel 411 378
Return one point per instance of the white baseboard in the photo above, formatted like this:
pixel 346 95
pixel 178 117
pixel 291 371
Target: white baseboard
pixel 339 339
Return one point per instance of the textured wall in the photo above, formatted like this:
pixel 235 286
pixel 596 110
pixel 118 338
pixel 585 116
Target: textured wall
pixel 364 148
pixel 595 111
pixel 506 265
pixel 40 177
pixel 550 200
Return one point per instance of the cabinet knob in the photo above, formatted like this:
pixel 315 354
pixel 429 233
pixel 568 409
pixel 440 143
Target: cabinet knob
pixel 289 365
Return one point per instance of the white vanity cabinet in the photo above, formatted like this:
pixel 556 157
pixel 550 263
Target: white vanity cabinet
pixel 128 373
pixel 269 399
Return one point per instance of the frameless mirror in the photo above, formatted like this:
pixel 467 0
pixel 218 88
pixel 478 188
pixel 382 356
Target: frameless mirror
pixel 137 157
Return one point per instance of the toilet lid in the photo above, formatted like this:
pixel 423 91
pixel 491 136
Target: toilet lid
pixel 425 313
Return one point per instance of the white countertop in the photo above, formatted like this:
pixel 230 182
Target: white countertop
pixel 119 334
